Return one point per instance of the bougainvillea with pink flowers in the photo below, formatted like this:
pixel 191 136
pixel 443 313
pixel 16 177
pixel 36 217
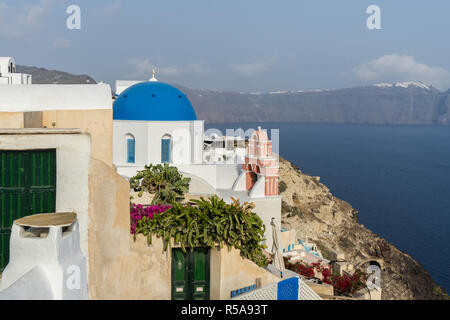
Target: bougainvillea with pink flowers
pixel 139 212
pixel 342 284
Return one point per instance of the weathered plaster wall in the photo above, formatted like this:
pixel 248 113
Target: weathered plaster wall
pixel 230 271
pixel 121 268
pixel 11 120
pixel 96 122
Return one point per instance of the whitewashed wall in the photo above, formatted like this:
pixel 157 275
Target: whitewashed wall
pixel 187 141
pixel 73 154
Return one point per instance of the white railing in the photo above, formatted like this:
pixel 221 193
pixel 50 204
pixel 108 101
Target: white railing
pixel 305 292
pixel 270 292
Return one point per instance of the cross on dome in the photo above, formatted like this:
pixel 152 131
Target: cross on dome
pixel 153 76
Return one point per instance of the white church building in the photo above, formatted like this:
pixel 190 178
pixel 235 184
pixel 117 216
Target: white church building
pixel 154 122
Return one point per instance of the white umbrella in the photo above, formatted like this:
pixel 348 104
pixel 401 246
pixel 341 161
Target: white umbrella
pixel 276 249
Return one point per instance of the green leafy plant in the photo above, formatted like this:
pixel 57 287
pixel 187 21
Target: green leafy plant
pixel 164 181
pixel 207 223
pixel 282 186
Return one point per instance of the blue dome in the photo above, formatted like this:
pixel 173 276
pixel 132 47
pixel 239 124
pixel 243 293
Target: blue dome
pixel 153 101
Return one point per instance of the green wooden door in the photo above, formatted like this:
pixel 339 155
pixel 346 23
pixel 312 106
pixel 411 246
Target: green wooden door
pixel 190 274
pixel 27 186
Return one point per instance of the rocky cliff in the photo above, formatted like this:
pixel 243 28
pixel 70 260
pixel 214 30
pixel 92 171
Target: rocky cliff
pixel 399 103
pixel 310 208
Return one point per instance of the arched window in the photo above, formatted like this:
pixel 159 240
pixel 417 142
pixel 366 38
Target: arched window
pixel 131 148
pixel 166 148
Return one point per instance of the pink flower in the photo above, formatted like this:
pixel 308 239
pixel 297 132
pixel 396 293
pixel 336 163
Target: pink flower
pixel 138 212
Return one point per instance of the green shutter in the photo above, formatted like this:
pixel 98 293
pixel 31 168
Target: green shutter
pixel 27 186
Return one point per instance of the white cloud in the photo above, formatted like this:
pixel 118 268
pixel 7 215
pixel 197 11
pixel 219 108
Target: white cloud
pixel 142 68
pixel 16 20
pixel 32 15
pixel 251 69
pixel 396 67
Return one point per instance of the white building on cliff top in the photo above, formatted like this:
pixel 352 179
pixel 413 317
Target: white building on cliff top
pixel 8 74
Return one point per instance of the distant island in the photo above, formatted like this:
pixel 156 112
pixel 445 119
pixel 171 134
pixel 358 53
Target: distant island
pixel 44 76
pixel 396 103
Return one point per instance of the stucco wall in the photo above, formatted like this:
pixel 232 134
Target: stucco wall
pixel 268 208
pixel 121 268
pixel 40 97
pixel 72 160
pixel 230 271
pixel 187 141
pixel 11 120
pixel 96 122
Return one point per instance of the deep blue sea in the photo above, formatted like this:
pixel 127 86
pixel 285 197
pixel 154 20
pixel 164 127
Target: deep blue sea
pixel 397 177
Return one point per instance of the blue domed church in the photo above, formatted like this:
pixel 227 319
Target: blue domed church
pixel 154 122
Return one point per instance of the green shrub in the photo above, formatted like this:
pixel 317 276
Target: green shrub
pixel 208 223
pixel 282 186
pixel 164 181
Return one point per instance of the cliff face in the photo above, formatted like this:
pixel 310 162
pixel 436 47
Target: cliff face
pixel 401 103
pixel 310 208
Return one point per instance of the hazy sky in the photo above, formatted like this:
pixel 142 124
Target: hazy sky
pixel 245 45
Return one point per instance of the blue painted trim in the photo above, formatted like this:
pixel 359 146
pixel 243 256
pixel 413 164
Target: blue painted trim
pixel 240 291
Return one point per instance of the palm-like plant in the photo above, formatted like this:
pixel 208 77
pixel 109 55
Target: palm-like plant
pixel 164 181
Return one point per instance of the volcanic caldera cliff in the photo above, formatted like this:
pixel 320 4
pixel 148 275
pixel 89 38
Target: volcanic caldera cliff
pixel 310 208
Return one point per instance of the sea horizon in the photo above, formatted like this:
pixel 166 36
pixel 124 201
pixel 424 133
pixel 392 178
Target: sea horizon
pixel 391 174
